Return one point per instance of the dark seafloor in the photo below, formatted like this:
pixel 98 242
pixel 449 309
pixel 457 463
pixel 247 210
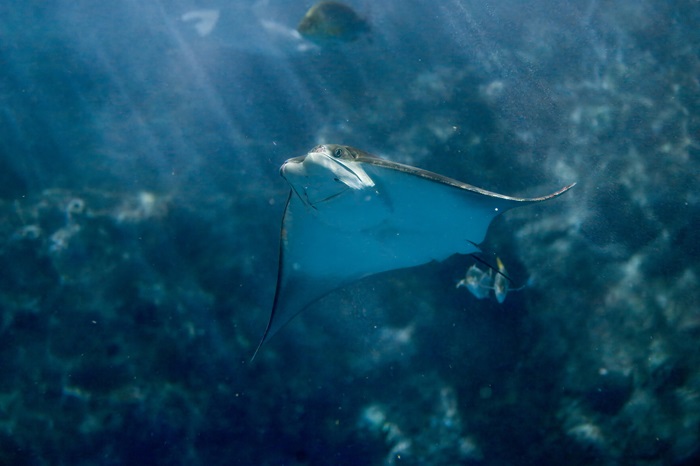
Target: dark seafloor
pixel 140 206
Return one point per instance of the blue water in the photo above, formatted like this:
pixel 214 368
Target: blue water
pixel 141 201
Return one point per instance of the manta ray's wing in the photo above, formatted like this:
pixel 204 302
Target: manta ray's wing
pixel 409 217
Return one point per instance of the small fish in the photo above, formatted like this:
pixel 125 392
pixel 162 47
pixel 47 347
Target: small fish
pixel 332 22
pixel 481 282
pixel 500 282
pixel 204 21
pixel 478 282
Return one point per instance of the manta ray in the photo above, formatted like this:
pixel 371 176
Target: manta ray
pixel 351 214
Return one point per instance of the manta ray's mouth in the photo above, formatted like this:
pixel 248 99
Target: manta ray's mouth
pixel 343 170
pixel 318 177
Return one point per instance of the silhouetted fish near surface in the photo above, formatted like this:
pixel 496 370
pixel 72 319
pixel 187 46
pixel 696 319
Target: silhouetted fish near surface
pixel 332 22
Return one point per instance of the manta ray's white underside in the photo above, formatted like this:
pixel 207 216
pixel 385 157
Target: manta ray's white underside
pixel 351 215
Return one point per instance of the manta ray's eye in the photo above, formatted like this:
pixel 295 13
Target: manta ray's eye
pixel 337 153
